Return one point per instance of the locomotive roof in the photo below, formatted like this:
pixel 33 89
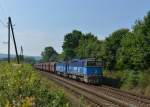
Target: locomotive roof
pixel 78 60
pixel 88 59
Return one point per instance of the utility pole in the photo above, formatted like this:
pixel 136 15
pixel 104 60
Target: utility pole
pixel 8 41
pixel 21 54
pixel 11 26
pixel 84 56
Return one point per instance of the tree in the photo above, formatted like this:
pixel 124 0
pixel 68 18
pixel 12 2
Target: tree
pixel 112 44
pixel 49 54
pixel 88 47
pixel 142 28
pixel 135 47
pixel 71 41
pixel 30 60
pixel 131 54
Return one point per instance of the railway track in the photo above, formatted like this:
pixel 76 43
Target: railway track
pixel 138 100
pixel 95 99
pixel 102 96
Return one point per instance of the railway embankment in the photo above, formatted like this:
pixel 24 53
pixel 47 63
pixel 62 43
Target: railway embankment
pixel 101 95
pixel 129 80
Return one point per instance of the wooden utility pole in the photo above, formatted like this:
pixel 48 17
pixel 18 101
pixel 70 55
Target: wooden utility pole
pixel 84 52
pixel 11 26
pixel 8 41
pixel 21 54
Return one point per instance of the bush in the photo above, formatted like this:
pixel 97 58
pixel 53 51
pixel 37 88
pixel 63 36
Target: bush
pixel 21 86
pixel 136 81
pixel 131 81
pixel 144 80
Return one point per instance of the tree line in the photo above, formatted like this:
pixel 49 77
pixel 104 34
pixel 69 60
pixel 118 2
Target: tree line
pixel 122 49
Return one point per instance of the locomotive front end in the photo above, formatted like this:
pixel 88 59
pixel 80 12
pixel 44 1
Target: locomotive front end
pixel 93 72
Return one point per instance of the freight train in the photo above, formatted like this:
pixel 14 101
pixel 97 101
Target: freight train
pixel 86 70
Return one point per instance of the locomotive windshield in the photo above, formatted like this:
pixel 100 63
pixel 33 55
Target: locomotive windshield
pixel 93 63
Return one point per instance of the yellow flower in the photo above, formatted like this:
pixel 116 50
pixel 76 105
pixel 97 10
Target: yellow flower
pixel 7 104
pixel 28 102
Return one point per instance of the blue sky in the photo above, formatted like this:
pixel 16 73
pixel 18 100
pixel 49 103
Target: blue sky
pixel 41 23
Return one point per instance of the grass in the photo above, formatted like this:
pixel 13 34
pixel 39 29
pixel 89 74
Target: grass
pixel 130 80
pixel 22 86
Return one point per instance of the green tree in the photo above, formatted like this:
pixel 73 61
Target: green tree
pixel 49 54
pixel 88 47
pixel 135 47
pixel 30 60
pixel 112 44
pixel 131 54
pixel 142 27
pixel 71 42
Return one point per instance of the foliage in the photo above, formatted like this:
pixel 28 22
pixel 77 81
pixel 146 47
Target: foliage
pixel 131 54
pixel 30 60
pixel 82 101
pixel 123 49
pixel 131 58
pixel 49 54
pixel 88 47
pixel 113 44
pixel 135 51
pixel 131 81
pixel 135 81
pixel 21 86
pixel 144 79
pixel 71 41
pixel 80 45
pixel 126 51
pixel 61 57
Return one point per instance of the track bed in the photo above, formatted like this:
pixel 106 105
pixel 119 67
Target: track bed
pixel 101 96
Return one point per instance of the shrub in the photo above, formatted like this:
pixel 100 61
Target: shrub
pixel 21 86
pixel 144 79
pixel 135 81
pixel 131 81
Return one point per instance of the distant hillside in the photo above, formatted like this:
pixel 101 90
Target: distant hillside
pixel 2 56
pixel 5 56
pixel 37 58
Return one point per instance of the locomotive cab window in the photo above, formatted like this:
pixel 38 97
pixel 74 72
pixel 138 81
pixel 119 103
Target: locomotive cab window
pixel 93 63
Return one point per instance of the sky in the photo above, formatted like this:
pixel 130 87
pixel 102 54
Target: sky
pixel 41 23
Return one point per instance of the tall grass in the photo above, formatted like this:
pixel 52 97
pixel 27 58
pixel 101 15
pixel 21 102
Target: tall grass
pixel 22 86
pixel 130 80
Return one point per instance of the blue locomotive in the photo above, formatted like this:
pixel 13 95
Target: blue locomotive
pixel 87 70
